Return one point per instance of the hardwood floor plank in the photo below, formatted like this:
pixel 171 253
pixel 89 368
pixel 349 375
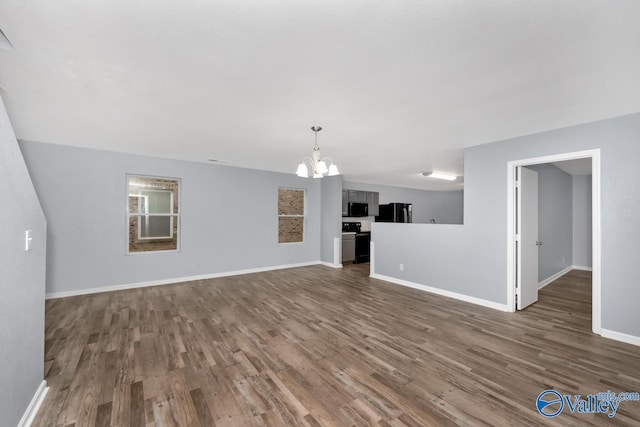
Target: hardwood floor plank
pixel 103 415
pixel 184 409
pixel 121 405
pixel 137 414
pixel 202 407
pixel 316 346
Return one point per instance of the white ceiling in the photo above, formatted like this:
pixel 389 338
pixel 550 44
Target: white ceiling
pixel 575 167
pixel 399 87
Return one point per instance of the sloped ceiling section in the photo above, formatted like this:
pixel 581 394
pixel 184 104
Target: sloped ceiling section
pixel 399 87
pixel 4 41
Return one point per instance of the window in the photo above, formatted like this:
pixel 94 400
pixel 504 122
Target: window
pixel 152 213
pixel 291 215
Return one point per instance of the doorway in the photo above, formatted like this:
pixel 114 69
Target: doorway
pixel 515 291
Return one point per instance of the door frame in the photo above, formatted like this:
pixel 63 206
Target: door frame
pixel 596 227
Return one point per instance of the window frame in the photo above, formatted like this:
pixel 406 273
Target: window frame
pixel 174 217
pixel 146 214
pixel 303 215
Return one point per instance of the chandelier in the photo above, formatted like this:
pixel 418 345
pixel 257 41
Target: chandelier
pixel 318 165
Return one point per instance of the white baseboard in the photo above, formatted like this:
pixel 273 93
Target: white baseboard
pixel 559 274
pixel 442 292
pixel 34 405
pixel 173 280
pixel 328 264
pixel 619 336
pixel 556 276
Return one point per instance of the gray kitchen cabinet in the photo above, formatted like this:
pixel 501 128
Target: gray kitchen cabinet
pixel 357 196
pixel 345 202
pixel 348 247
pixel 373 200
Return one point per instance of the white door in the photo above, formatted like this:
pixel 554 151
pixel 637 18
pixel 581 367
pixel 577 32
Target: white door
pixel 527 237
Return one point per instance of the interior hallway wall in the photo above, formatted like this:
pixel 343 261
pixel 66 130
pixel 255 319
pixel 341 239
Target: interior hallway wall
pixel 22 281
pixel 582 221
pixel 555 220
pixel 331 205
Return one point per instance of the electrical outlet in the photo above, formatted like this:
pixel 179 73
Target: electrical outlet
pixel 401 267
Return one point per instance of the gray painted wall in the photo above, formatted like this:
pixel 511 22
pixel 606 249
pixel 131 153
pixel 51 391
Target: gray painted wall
pixel 446 207
pixel 582 227
pixel 331 212
pixel 555 220
pixel 472 259
pixel 22 281
pixel 229 218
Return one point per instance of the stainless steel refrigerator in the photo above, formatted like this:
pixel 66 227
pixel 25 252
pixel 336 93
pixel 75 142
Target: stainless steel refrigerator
pixel 395 212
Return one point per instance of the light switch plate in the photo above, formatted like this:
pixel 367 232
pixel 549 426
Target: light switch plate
pixel 28 238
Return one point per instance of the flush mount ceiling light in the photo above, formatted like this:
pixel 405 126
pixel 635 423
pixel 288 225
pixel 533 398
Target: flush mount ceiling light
pixel 316 163
pixel 440 175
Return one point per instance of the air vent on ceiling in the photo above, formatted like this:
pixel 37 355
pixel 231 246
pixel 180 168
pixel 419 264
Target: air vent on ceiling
pixel 4 41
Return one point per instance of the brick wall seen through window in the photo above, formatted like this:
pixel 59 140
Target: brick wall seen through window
pixel 291 215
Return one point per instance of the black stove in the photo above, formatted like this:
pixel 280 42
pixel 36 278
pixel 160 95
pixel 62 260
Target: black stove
pixel 350 227
pixel 363 239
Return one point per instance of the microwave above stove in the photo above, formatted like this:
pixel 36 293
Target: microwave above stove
pixel 358 209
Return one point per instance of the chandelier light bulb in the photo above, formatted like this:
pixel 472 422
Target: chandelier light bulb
pixel 321 167
pixel 302 171
pixel 318 165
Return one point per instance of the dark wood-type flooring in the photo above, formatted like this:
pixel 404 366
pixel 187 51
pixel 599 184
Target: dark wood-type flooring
pixel 317 346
